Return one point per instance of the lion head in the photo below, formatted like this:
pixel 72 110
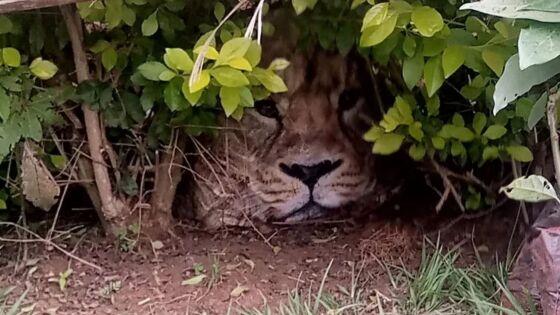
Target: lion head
pixel 297 155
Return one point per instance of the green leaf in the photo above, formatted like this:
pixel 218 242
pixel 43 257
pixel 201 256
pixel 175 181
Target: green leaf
pixel 11 57
pixel 427 20
pixel 479 122
pixel 374 35
pixel 438 143
pixel 278 64
pixel 172 94
pixel 399 114
pixel 230 99
pixel 475 25
pixel 202 81
pixel 533 188
pixel 167 75
pixel 356 3
pixel 452 59
pixel 413 69
pixel 229 77
pixel 151 70
pixel 233 49
pixel 150 25
pixel 128 16
pixel 6 25
pixel 458 120
pixel 388 143
pixel 417 152
pixel 3 205
pixel 520 153
pixel 178 59
pixel 495 132
pixel 514 9
pixel 113 14
pixel 510 87
pixel 495 58
pixel 538 111
pixel 462 134
pixel 433 75
pixel 374 133
pixel 433 104
pixel 194 280
pixel 270 80
pixel 376 15
pixel 192 98
pixel 219 11
pixel 253 54
pixel 240 64
pixel 246 96
pixel 109 58
pixel 415 131
pixel 538 44
pixel 409 46
pixel 59 161
pixel 490 153
pixel 43 69
pixel 5 105
pixel 99 46
pixel 433 46
pixel 211 52
pixel 299 6
pixel 458 149
pixel 523 108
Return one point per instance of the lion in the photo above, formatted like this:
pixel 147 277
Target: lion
pixel 298 155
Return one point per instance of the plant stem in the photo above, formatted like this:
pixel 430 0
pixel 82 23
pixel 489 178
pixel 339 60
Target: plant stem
pixel 553 98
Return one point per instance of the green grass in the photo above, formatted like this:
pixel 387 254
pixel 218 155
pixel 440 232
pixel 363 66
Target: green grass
pixel 437 287
pixel 6 309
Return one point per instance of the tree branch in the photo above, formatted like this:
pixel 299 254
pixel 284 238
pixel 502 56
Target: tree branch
pixel 112 206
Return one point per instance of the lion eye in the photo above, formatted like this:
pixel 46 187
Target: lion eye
pixel 267 108
pixel 348 99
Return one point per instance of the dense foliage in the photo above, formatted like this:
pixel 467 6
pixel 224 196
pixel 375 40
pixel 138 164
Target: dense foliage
pixel 162 66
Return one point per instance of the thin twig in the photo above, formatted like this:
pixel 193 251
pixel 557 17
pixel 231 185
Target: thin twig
pixel 39 239
pixel 447 183
pixel 470 216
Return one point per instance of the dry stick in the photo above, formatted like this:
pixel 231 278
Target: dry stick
pixel 112 207
pixel 553 98
pixel 448 184
pixel 61 201
pixel 47 242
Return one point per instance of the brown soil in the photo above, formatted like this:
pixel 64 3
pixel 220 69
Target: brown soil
pixel 148 280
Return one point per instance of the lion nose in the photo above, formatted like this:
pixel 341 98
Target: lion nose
pixel 310 174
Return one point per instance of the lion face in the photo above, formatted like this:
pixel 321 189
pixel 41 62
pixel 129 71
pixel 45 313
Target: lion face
pixel 307 154
pixel 297 155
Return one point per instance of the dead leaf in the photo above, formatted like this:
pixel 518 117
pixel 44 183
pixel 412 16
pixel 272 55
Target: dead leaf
pixel 276 249
pixel 157 245
pixel 231 267
pixel 39 186
pixel 250 263
pixel 194 280
pixel 238 291
pixel 323 240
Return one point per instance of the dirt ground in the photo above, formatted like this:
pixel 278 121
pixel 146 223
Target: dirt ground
pixel 241 268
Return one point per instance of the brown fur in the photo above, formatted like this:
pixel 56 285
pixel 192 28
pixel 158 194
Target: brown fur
pixel 240 177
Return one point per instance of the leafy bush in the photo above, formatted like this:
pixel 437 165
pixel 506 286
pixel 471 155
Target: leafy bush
pixel 158 67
